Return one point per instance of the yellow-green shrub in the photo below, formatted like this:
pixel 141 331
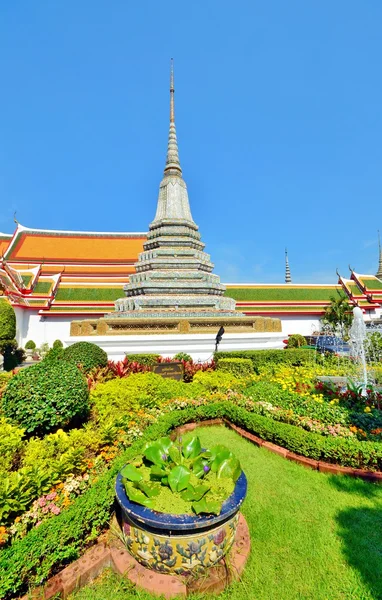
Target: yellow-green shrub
pixel 10 443
pixel 213 381
pixel 240 367
pixel 119 397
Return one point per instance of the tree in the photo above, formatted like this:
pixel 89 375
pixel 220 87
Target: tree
pixel 339 315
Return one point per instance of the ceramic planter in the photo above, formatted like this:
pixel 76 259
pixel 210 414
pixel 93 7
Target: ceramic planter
pixel 179 544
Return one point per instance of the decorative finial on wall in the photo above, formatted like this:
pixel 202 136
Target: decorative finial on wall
pixel 288 278
pixel 379 272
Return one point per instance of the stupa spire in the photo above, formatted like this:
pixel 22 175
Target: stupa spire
pixel 288 278
pixel 379 273
pixel 172 161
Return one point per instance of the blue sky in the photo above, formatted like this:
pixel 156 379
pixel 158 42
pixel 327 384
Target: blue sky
pixel 278 113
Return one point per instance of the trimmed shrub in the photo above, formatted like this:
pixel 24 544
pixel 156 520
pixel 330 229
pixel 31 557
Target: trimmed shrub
pixel 296 341
pixel 7 321
pixel 219 381
pixel 10 443
pixel 53 355
pixel 294 356
pixel 148 360
pixel 30 345
pixel 237 366
pixel 4 378
pixel 118 397
pixel 85 355
pixel 13 355
pixel 46 396
pixel 57 344
pixel 183 356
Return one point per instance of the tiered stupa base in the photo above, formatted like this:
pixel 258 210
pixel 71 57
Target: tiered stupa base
pixel 173 323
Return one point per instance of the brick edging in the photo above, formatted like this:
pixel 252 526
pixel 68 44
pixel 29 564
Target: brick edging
pixel 112 553
pixel 316 465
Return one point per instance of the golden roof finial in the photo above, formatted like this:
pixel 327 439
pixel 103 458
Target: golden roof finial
pixel 379 272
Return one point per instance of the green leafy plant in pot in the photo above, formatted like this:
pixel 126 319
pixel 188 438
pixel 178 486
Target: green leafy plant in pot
pixel 180 504
pixel 183 475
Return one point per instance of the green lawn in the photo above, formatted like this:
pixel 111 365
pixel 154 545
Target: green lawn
pixel 313 536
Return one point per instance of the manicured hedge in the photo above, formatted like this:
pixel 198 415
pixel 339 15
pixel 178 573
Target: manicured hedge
pixel 260 358
pixel 149 360
pixel 237 366
pixel 86 355
pixel 7 320
pixel 46 396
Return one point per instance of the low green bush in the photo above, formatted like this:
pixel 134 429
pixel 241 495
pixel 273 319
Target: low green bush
pixel 296 341
pixel 13 356
pixel 237 366
pixel 7 320
pixel 11 438
pixel 119 397
pixel 148 360
pixel 53 355
pixel 259 358
pixel 220 381
pixel 183 356
pixel 56 542
pixel 46 396
pixel 86 355
pixel 4 378
pixel 30 345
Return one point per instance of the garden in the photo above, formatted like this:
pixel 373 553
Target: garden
pixel 74 420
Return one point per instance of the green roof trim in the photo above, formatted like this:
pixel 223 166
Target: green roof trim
pixel 81 294
pixel 274 294
pixel 371 283
pixel 281 308
pixel 74 308
pixel 26 279
pixel 42 287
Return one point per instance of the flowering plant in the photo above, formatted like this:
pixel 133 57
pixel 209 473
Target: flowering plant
pixel 181 477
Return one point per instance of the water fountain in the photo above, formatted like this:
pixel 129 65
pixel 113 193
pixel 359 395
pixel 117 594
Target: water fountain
pixel 361 348
pixel 358 335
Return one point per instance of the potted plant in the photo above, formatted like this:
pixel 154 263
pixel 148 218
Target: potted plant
pixel 30 346
pixel 180 503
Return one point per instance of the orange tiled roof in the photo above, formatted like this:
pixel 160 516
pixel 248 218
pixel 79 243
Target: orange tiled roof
pixel 33 245
pixel 4 242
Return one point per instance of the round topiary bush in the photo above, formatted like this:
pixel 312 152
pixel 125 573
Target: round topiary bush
pixel 7 321
pixel 183 356
pixel 30 345
pixel 85 355
pixel 44 397
pixel 57 344
pixel 296 341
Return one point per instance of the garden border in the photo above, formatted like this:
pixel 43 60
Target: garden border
pixel 111 552
pixel 62 539
pixel 316 465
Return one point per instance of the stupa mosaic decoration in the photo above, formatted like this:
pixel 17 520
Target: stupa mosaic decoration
pixel 173 275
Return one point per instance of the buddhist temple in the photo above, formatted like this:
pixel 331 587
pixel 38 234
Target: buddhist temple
pixel 54 278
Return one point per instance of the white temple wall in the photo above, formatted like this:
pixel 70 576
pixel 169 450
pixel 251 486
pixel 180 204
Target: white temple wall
pixel 304 325
pixel 32 326
pixel 40 329
pixel 21 315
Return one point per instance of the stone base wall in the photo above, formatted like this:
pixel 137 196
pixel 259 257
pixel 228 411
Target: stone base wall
pixel 121 326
